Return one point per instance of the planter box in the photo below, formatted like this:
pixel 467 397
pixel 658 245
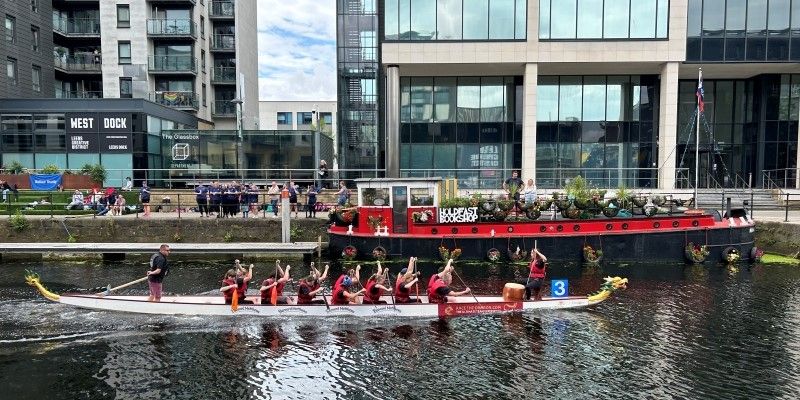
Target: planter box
pixel 69 181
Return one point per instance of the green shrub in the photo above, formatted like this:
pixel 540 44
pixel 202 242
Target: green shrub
pixel 50 169
pixel 96 171
pixel 455 202
pixel 18 222
pixel 14 167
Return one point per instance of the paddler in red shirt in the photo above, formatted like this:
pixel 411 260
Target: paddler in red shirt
pixel 341 295
pixel 235 282
pixel 406 279
pixel 271 284
pixel 439 285
pixel 375 287
pixel 537 271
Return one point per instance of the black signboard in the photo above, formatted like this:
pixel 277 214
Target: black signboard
pixel 99 132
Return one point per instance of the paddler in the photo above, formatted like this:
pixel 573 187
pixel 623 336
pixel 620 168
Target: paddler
pixel 235 282
pixel 278 285
pixel 406 279
pixel 375 288
pixel 538 269
pixel 439 285
pixel 341 295
pixel 310 286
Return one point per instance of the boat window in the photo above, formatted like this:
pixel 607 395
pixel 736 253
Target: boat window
pixel 421 197
pixel 375 196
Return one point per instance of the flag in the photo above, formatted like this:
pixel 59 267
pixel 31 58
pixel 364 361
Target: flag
pixel 700 93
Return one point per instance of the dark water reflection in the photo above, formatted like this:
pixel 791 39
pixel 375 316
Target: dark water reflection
pixel 677 332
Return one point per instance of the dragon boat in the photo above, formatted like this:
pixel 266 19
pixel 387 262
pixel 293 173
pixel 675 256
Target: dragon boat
pixel 424 217
pixel 215 306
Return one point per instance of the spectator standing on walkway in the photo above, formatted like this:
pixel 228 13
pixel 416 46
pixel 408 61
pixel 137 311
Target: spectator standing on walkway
pixel 201 195
pixel 274 193
pixel 343 195
pixel 215 195
pixel 144 198
pixel 311 207
pixel 293 198
pixel 323 174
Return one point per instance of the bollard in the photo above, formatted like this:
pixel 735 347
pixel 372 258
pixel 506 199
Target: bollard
pixel 752 206
pixel 179 206
pixel 285 216
pixel 786 218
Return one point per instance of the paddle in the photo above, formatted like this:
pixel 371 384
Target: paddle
pixel 465 285
pixel 535 247
pixel 389 281
pixel 235 299
pixel 417 284
pixel 274 296
pixel 109 289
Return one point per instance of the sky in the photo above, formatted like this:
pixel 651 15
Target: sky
pixel 297 50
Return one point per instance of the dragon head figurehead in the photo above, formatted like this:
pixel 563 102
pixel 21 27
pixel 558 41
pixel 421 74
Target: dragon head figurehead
pixel 32 279
pixel 610 285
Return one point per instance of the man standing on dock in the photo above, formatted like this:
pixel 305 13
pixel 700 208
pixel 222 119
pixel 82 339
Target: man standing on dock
pixel 159 268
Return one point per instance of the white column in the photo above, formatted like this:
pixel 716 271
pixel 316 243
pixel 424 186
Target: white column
pixel 393 121
pixel 797 161
pixel 529 122
pixel 668 125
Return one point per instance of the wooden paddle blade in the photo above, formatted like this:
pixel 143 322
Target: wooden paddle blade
pixel 235 301
pixel 274 297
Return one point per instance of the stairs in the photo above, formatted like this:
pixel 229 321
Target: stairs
pixel 762 199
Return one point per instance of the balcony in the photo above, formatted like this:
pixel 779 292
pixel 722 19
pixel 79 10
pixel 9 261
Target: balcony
pixel 223 75
pixel 172 28
pixel 223 42
pixel 176 100
pixel 221 10
pixel 77 94
pixel 81 64
pixel 223 108
pixel 172 64
pixel 77 27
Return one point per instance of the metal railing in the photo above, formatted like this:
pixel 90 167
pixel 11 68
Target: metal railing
pixel 175 99
pixel 223 9
pixel 223 108
pixel 225 41
pixel 79 63
pixel 786 178
pixel 223 74
pixel 161 63
pixel 77 26
pixel 171 27
pixel 78 94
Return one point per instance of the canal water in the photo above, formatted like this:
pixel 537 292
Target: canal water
pixel 682 332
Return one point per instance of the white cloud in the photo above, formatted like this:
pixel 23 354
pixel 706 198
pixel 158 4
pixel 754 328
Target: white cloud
pixel 297 50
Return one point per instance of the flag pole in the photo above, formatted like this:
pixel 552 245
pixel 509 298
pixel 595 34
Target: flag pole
pixel 697 134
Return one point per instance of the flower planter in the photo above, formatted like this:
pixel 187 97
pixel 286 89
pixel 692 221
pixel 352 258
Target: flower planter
pixel 447 254
pixel 499 215
pixel 592 256
pixel 533 213
pixel 639 201
pixel 349 253
pixel 563 204
pixel 488 206
pixel 505 205
pixel 379 253
pixel 730 255
pixel 610 212
pixel 696 253
pixel 493 255
pixel 545 204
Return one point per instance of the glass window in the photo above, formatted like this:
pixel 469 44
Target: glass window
pixel 563 19
pixel 284 118
pixel 202 26
pixel 468 100
pixel 390 19
pixel 589 26
pixel 521 19
pixel 422 99
pixel 594 98
pixel 501 19
pixel 615 19
pixel 476 19
pixel 448 22
pixel 756 16
pixel 492 96
pixel 421 197
pixel 34 38
pixel 124 48
pixel 547 99
pixel 123 16
pixel 35 5
pixel 713 19
pixel 11 70
pixel 663 18
pixel 695 12
pixel 11 29
pixel 305 118
pixel 36 78
pixel 643 18
pixel 616 94
pixel 778 17
pixel 423 19
pixel 544 19
pixel 444 99
pixel 570 99
pixel 126 88
pixel 404 20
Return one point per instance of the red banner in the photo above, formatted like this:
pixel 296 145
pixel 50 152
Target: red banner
pixel 459 309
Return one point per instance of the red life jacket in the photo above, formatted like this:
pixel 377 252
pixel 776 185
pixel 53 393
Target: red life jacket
pixel 401 294
pixel 267 294
pixel 435 283
pixel 338 296
pixel 368 296
pixel 229 293
pixel 306 298
pixel 537 269
pixel 339 281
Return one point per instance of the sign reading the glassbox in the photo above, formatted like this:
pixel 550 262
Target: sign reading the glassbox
pixel 458 214
pixel 99 132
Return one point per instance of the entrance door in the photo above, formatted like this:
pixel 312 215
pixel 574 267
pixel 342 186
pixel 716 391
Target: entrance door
pixel 400 209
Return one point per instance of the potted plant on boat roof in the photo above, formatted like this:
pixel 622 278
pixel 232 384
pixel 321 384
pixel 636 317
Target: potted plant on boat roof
pixel 533 213
pixel 623 196
pixel 421 217
pixel 349 252
pixel 375 221
pixel 578 190
pixel 696 253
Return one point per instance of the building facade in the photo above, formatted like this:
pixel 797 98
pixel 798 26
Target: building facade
pixel 188 55
pixel 605 89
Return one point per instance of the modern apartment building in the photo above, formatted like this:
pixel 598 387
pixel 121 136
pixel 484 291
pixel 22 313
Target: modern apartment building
pixel 297 115
pixel 602 88
pixel 190 55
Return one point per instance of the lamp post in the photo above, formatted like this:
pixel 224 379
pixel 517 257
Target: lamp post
pixel 316 113
pixel 239 145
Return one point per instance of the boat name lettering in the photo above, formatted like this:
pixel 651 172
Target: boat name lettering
pixel 453 309
pixel 342 309
pixel 458 214
pixel 250 310
pixel 387 310
pixel 292 310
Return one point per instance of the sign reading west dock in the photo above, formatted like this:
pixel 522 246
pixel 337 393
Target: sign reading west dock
pixel 99 133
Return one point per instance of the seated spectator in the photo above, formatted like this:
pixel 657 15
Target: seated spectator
pixel 119 205
pixel 102 206
pixel 77 201
pixel 41 202
pixel 128 184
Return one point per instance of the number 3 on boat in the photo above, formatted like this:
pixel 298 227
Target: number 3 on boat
pixel 559 288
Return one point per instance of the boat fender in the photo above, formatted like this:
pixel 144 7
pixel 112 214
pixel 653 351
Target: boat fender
pixel 675 224
pixel 695 223
pixel 730 255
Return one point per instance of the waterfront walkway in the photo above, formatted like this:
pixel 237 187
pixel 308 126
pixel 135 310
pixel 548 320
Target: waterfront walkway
pixel 302 248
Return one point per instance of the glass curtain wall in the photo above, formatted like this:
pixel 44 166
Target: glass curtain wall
pixel 747 30
pixel 603 128
pixel 782 104
pixel 429 20
pixel 621 19
pixel 463 127
pixel 360 146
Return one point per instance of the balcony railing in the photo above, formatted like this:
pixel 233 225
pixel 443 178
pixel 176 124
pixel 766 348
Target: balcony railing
pixel 180 100
pixel 223 108
pixel 79 63
pixel 172 64
pixel 78 94
pixel 223 75
pixel 223 42
pixel 221 9
pixel 172 28
pixel 77 26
